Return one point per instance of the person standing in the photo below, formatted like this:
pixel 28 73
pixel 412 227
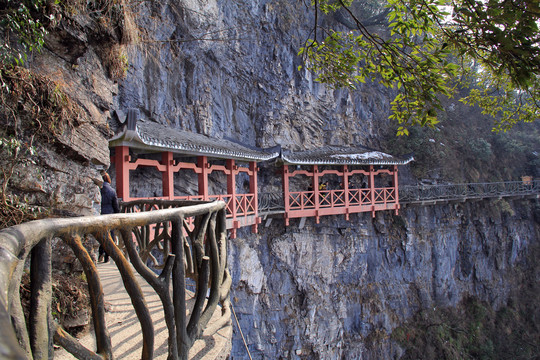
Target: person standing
pixel 109 205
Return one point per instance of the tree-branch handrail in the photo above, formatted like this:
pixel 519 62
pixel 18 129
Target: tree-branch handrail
pixel 18 242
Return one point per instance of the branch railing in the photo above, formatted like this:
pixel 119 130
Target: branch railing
pixel 197 250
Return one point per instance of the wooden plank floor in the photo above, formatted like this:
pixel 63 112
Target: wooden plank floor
pixel 125 329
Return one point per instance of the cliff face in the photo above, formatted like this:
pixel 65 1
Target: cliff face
pixel 64 172
pixel 338 289
pixel 243 80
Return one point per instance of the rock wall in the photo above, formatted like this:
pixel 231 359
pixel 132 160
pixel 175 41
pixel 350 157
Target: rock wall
pixel 328 291
pixel 66 174
pixel 243 81
pixel 336 290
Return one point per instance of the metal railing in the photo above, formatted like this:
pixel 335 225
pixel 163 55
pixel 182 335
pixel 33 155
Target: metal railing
pixel 467 191
pixel 197 249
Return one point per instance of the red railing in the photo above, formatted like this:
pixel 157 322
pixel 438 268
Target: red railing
pixel 300 200
pixel 241 209
pixel 334 202
pixel 359 197
pixel 384 195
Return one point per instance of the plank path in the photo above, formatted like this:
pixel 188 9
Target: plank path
pixel 125 329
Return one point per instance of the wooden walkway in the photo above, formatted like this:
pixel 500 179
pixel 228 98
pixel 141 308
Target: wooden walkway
pixel 125 329
pixel 272 204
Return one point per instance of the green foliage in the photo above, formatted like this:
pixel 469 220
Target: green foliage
pixel 424 51
pixel 453 150
pixel 424 143
pixel 505 207
pixel 24 21
pixel 480 149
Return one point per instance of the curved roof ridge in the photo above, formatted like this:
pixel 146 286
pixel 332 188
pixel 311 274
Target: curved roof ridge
pixel 342 155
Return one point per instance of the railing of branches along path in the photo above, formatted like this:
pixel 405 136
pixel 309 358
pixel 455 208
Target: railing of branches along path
pixel 194 248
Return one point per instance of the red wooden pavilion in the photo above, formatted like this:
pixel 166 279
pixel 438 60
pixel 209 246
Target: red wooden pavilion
pixel 325 181
pixel 364 180
pixel 136 136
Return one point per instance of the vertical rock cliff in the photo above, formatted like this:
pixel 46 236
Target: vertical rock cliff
pixel 230 68
pixel 338 289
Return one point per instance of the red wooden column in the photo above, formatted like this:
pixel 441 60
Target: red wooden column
pixel 286 194
pixel 316 191
pixel 167 178
pixel 231 190
pixel 202 162
pixel 372 190
pixel 396 192
pixel 346 190
pixel 121 163
pixel 253 189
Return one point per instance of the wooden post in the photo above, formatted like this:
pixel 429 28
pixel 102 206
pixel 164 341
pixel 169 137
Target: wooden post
pixel 396 192
pixel 346 190
pixel 372 190
pixel 202 162
pixel 121 162
pixel 167 177
pixel 253 190
pixel 231 190
pixel 286 193
pixel 316 192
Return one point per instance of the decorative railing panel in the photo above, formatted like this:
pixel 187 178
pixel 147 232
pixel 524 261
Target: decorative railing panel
pixel 197 251
pixel 384 195
pixel 301 200
pixel 331 198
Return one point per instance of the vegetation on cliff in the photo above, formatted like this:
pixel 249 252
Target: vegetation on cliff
pixel 475 330
pixel 424 48
pixel 463 149
pixel 36 110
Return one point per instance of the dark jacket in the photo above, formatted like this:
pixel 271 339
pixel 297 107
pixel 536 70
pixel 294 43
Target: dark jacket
pixel 109 202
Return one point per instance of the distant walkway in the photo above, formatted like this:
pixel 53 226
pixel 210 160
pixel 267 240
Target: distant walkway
pixel 429 194
pixel 272 203
pixel 125 329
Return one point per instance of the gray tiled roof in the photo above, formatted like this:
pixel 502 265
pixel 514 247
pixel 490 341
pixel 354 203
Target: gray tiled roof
pixel 151 136
pixel 154 137
pixel 334 155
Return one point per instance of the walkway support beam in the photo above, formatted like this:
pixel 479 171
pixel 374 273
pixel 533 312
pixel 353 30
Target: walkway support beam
pixel 346 190
pixel 231 190
pixel 167 176
pixel 372 190
pixel 202 162
pixel 396 189
pixel 253 190
pixel 121 164
pixel 316 192
pixel 286 193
